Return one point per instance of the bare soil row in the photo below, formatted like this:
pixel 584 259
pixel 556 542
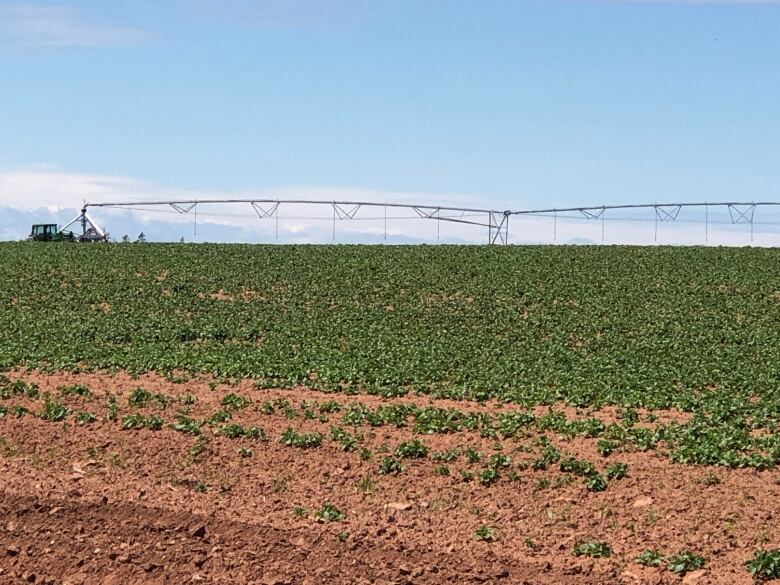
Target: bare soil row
pixel 93 503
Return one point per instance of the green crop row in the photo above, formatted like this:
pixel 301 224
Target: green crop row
pixel 694 329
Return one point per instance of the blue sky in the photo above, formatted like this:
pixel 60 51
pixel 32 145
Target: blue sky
pixel 522 103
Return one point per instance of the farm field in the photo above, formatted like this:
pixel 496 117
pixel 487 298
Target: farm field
pixel 320 414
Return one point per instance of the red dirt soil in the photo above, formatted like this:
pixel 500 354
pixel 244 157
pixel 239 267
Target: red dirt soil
pixel 92 503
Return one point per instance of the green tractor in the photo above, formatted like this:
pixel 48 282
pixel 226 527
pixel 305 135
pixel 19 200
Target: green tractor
pixel 48 232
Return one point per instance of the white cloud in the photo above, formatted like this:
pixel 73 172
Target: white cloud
pixel 44 185
pixel 47 191
pixel 296 228
pixel 36 26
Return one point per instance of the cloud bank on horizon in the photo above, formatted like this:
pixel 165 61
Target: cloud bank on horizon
pixel 46 194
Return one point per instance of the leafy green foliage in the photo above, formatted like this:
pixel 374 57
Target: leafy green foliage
pixel 347 441
pixel 499 460
pixel 74 390
pixel 595 483
pixel 616 471
pixel 199 448
pixel 684 561
pixel 605 447
pixel 765 564
pixel 650 558
pixel 256 433
pixel 185 424
pixel 220 416
pixel 596 549
pixel 233 431
pixel 489 476
pixel 330 513
pixel 578 467
pixel 138 421
pixel 447 456
pixel 10 388
pixel 233 402
pixel 390 466
pixel 485 533
pixel 53 411
pixel 112 408
pixel 525 325
pixel 291 438
pixel 414 449
pixel 549 456
pixel 140 397
pixel 329 407
pixel 563 480
pixel 628 415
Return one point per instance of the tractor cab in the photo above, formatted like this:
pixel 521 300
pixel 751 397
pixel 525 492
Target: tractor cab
pixel 48 232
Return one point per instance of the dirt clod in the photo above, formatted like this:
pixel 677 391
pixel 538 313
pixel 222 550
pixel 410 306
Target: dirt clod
pixel 198 532
pixel 695 577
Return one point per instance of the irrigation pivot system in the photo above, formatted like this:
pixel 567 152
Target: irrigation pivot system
pixel 738 213
pixel 496 221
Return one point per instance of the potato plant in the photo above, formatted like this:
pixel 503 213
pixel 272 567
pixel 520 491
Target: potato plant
pixel 764 565
pixel 637 328
pixel 595 549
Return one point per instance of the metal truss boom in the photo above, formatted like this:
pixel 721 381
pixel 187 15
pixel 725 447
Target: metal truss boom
pixel 183 202
pixel 341 210
pixel 598 208
pixel 740 212
pixel 496 221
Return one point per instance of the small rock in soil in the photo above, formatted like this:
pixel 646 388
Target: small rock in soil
pixel 198 532
pixel 694 577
